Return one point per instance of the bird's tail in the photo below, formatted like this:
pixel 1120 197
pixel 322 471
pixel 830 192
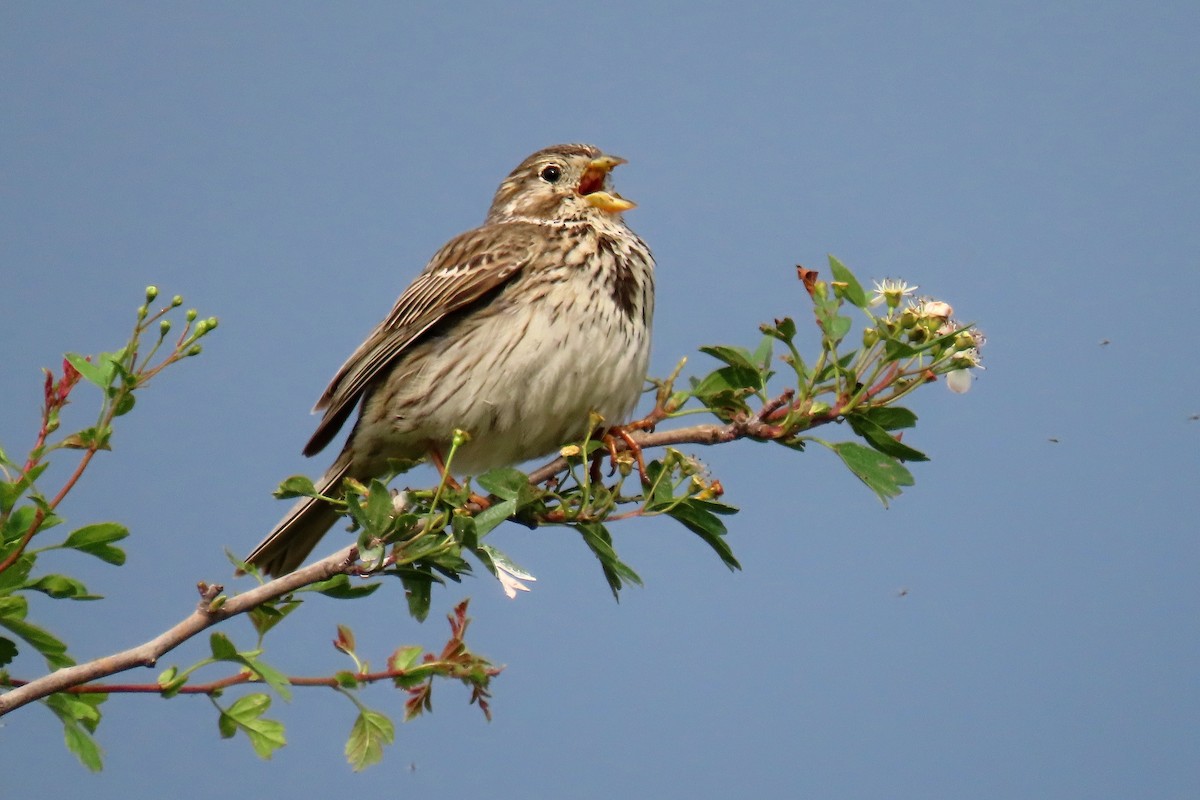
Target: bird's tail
pixel 286 547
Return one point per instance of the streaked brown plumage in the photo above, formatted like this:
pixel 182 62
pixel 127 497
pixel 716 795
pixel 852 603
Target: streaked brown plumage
pixel 515 331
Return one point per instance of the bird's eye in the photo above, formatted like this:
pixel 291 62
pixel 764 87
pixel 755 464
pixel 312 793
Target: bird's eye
pixel 551 173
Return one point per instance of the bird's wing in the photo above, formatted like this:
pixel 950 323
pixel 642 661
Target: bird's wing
pixel 464 272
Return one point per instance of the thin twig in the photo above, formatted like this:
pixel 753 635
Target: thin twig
pixel 205 616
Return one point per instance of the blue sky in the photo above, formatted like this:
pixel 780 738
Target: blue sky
pixel 289 168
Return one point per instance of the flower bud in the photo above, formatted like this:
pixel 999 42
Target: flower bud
pixel 164 327
pixel 191 315
pixel 959 381
pixel 176 301
pixel 151 293
pixel 870 336
pixel 937 308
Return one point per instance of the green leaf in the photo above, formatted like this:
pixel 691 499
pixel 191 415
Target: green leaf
pixel 223 649
pixel 738 357
pixel 8 651
pixel 15 576
pixel 19 522
pixel 61 587
pixel 227 725
pixel 84 708
pixel 370 733
pixel 449 565
pixel 883 441
pixel 346 679
pixel 84 746
pixel 358 514
pixel 124 404
pixel 268 615
pixel 598 539
pixel 493 515
pixel 424 545
pixel 405 658
pixel 504 482
pixel 79 714
pixel 296 486
pixel 702 522
pixel 379 508
pixel 11 491
pixel 895 350
pixel 95 540
pixel 660 489
pixel 89 439
pixel 13 608
pixel 339 587
pixel 784 329
pixel 12 616
pixel 270 676
pixel 729 379
pixel 465 534
pixel 52 649
pixel 266 736
pixel 836 327
pixel 715 506
pixel 92 373
pixel 418 590
pixel 170 681
pixel 764 352
pixel 853 291
pixel 882 473
pixel 891 418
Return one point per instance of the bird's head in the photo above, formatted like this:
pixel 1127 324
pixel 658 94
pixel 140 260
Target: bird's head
pixel 564 182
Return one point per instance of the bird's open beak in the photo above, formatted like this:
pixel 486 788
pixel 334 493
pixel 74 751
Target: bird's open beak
pixel 591 185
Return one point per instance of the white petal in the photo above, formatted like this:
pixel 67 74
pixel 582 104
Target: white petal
pixel 510 584
pixel 959 381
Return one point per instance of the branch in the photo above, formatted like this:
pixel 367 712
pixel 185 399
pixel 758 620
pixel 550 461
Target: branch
pixel 753 427
pixel 207 614
pixel 246 676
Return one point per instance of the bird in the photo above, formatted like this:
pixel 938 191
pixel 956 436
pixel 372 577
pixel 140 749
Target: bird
pixel 516 332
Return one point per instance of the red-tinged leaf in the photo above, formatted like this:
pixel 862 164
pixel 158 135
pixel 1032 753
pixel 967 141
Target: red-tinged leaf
pixel 345 639
pixel 808 277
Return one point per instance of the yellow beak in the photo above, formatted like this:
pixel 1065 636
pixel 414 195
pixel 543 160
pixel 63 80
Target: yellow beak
pixel 592 181
pixel 612 203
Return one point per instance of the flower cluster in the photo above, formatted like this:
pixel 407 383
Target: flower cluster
pixel 953 348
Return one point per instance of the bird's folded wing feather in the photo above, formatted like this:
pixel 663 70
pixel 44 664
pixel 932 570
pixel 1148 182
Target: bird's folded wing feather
pixel 466 270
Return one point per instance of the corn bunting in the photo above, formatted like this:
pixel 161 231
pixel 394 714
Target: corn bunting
pixel 514 332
